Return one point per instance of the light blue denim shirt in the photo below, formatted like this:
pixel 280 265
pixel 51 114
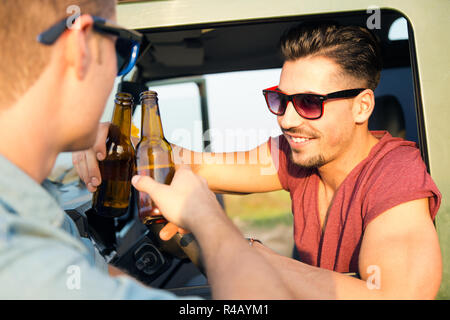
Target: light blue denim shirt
pixel 42 255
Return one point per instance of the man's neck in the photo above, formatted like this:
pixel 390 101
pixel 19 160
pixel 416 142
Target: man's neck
pixel 25 137
pixel 333 173
pixel 37 163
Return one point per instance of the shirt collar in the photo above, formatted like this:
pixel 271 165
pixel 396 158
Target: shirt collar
pixel 26 197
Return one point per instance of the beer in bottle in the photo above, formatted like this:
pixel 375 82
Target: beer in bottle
pixel 153 156
pixel 113 195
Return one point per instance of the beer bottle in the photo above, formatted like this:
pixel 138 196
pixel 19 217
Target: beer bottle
pixel 153 156
pixel 113 195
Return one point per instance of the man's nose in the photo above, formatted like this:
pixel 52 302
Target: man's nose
pixel 290 118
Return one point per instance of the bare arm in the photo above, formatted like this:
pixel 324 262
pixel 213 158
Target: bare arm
pixel 233 172
pixel 399 259
pixel 234 269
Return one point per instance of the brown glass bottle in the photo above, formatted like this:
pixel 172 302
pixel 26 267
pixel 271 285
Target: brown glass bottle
pixel 153 156
pixel 113 195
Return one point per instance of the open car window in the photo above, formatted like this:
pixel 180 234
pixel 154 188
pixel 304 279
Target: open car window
pixel 209 78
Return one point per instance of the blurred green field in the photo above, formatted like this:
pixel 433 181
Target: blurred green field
pixel 260 209
pixel 264 216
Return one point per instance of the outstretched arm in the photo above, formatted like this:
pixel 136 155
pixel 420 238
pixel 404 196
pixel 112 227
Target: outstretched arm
pixel 234 269
pixel 399 259
pixel 231 172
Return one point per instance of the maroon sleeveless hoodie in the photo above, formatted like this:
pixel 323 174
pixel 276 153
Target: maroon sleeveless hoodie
pixel 392 173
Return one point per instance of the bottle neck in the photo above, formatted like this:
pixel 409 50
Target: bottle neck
pixel 122 119
pixel 151 121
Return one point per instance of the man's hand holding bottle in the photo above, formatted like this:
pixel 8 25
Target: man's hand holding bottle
pixel 86 163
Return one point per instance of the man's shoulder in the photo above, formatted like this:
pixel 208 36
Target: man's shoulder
pixel 36 264
pixel 403 154
pixel 8 218
pixel 401 165
pixel 397 153
pixel 18 231
pixel 396 174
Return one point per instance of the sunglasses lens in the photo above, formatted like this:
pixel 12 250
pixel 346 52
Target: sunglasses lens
pixel 309 107
pixel 275 102
pixel 123 54
pixel 126 51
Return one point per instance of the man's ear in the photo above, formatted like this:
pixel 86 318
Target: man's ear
pixel 78 55
pixel 363 106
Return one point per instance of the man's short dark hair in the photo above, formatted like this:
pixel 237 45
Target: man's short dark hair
pixel 355 49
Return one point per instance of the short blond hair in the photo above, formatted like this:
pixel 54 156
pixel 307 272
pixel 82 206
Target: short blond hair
pixel 23 59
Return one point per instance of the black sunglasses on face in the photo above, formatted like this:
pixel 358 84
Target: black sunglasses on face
pixel 127 42
pixel 307 105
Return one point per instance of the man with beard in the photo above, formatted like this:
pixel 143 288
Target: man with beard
pixel 362 201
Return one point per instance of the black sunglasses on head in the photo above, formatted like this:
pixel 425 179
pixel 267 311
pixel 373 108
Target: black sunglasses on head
pixel 307 105
pixel 127 42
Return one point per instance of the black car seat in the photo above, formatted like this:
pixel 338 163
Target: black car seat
pixel 388 115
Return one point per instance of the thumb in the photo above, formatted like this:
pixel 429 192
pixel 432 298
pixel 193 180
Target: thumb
pixel 146 184
pixel 100 142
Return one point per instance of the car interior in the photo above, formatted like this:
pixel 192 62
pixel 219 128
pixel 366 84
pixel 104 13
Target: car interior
pixel 197 50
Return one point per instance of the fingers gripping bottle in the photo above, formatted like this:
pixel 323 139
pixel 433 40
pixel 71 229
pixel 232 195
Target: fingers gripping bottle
pixel 113 195
pixel 153 156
